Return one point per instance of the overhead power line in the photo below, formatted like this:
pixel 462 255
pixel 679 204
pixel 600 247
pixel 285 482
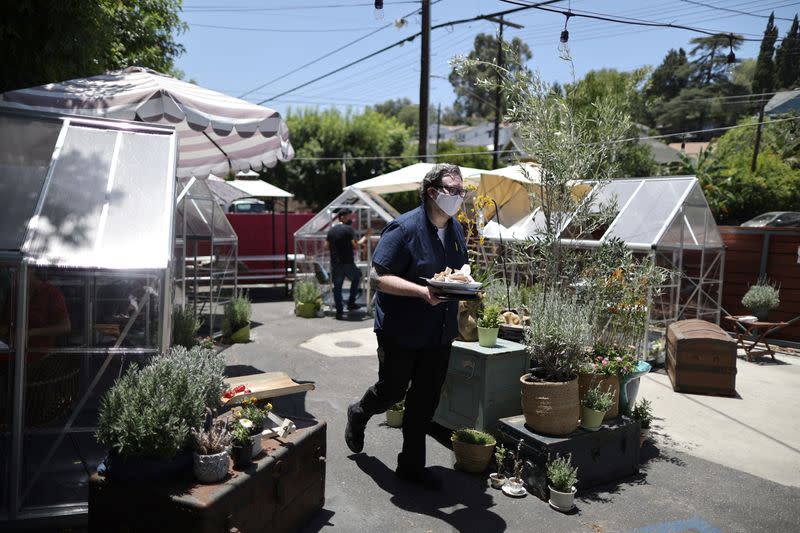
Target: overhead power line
pixel 248 9
pixel 720 8
pixel 278 30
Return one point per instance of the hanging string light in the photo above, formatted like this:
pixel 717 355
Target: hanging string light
pixel 378 9
pixel 731 59
pixel 563 46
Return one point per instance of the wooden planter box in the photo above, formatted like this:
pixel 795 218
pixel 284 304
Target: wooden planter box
pixel 701 358
pixel 279 492
pixel 482 385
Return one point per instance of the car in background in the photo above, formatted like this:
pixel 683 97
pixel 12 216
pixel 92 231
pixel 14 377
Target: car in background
pixel 780 219
pixel 247 205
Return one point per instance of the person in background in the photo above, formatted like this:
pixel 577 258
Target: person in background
pixel 415 328
pixel 341 241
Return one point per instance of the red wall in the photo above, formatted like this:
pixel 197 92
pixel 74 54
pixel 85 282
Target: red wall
pixel 255 231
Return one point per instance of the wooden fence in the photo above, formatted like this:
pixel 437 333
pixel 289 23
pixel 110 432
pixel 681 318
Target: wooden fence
pixel 774 252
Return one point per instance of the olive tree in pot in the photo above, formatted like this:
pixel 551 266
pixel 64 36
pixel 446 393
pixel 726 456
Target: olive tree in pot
pixel 236 321
pixel 762 298
pixel 473 449
pixel 562 476
pixel 594 407
pixel 211 452
pixel 558 332
pixel 643 413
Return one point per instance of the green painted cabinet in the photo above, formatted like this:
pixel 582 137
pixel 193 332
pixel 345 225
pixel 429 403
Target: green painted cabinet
pixel 482 385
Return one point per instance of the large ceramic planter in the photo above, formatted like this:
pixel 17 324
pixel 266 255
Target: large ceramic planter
pixel 551 408
pixel 241 335
pixel 394 418
pixel 607 383
pixel 591 419
pixel 629 385
pixel 562 501
pixel 211 468
pixel 306 310
pixel 487 337
pixel 473 458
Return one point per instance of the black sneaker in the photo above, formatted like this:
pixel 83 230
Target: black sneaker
pixel 354 432
pixel 422 477
pixel 339 315
pixel 354 307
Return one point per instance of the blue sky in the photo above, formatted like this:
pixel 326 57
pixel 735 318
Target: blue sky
pixel 234 46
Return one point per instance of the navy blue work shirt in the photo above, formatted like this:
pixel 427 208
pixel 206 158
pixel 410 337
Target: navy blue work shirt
pixel 410 248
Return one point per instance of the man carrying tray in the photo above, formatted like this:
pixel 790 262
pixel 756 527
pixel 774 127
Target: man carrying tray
pixel 415 328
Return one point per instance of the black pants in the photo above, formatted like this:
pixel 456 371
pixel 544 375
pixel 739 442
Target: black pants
pixel 424 369
pixel 338 274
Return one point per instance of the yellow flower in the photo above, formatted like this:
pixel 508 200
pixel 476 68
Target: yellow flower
pixel 268 407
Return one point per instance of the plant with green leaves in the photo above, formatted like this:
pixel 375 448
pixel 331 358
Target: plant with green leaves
pixel 149 411
pixel 185 326
pixel 252 412
pixel 561 473
pixel 472 436
pixel 215 439
pixel 762 298
pixel 598 400
pixel 240 434
pixel 237 314
pixel 489 317
pixel 643 413
pixel 308 292
pixel 500 454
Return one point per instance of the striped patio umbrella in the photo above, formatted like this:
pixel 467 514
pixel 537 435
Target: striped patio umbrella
pixel 217 133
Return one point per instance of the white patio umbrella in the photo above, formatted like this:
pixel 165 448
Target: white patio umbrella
pixel 410 178
pixel 216 132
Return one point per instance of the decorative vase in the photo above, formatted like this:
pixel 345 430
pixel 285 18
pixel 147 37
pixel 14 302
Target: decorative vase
pixel 241 335
pixel 473 458
pixel 591 419
pixel 394 418
pixel 497 480
pixel 551 408
pixel 562 501
pixel 211 468
pixel 629 385
pixel 468 320
pixel 306 310
pixel 607 383
pixel 242 455
pixel 487 337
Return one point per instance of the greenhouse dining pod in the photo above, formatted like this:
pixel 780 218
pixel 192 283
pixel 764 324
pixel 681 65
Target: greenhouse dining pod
pixel 85 290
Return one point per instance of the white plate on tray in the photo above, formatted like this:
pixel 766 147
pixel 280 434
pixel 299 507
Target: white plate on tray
pixel 451 286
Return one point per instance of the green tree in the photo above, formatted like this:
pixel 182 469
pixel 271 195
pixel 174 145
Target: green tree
pixel 325 137
pixel 764 77
pixel 473 99
pixel 402 109
pixel 670 77
pixel 55 40
pixel 787 58
pixel 710 55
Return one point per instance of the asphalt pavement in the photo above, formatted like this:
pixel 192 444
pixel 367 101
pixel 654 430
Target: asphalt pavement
pixel 675 491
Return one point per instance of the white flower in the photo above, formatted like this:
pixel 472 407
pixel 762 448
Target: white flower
pixel 248 424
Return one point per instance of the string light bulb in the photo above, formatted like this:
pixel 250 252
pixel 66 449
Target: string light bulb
pixel 378 9
pixel 563 41
pixel 731 59
pixel 400 23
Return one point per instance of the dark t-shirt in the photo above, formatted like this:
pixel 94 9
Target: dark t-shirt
pixel 341 237
pixel 410 248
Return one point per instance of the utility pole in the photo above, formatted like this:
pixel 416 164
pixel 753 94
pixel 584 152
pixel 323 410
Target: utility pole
pixel 758 139
pixel 498 96
pixel 424 79
pixel 438 125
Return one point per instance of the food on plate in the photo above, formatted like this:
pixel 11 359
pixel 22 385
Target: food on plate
pixel 448 275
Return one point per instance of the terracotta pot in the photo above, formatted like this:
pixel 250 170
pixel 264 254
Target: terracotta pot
pixel 551 408
pixel 473 458
pixel 590 381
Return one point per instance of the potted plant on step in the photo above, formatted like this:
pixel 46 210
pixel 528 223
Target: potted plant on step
pixel 603 367
pixel 251 412
pixel 242 442
pixel 497 479
pixel 594 407
pixel 488 325
pixel 558 332
pixel 761 298
pixel 236 322
pixel 307 299
pixel 473 449
pixel 562 476
pixel 211 458
pixel 643 413
pixel 394 414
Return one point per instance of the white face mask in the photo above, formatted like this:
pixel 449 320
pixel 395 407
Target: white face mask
pixel 448 204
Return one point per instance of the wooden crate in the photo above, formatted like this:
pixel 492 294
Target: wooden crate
pixel 701 358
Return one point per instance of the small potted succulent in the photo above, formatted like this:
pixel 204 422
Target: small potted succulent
pixel 489 321
pixel 643 413
pixel 211 458
pixel 394 414
pixel 236 321
pixel 307 299
pixel 497 479
pixel 761 298
pixel 473 449
pixel 562 476
pixel 242 450
pixel 254 414
pixel 594 407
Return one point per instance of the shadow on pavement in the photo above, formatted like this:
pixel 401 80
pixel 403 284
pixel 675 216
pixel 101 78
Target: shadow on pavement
pixel 459 490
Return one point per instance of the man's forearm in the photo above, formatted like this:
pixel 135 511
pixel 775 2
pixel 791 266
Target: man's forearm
pixel 391 284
